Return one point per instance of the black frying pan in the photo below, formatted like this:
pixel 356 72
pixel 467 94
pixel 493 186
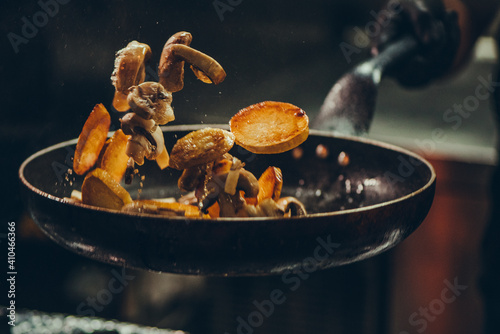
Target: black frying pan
pixel 356 211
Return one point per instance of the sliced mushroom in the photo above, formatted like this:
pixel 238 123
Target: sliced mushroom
pixel 129 70
pixel 231 205
pixel 171 69
pixel 150 100
pixel 292 205
pixel 177 51
pixel 130 171
pixel 248 183
pixel 233 175
pixel 215 189
pixel 191 178
pixel 131 121
pixel 271 208
pixel 147 138
pixel 200 147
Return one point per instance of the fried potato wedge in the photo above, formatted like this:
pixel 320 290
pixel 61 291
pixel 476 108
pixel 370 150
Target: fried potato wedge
pixel 270 184
pixel 270 127
pixel 163 159
pixel 165 208
pixel 114 158
pixel 100 189
pixel 200 147
pixel 91 139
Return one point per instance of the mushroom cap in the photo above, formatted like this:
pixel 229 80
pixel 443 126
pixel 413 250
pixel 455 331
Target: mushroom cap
pixel 131 121
pixel 151 100
pixel 200 147
pixel 129 67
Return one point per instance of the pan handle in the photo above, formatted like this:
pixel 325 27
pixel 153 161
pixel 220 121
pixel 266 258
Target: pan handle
pixel 349 106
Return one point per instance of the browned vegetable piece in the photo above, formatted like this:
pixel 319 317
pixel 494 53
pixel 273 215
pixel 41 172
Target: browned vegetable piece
pixel 147 138
pixel 166 208
pixel 114 159
pixel 191 178
pixel 91 139
pixel 170 69
pixel 222 166
pixel 177 51
pixel 163 159
pixel 130 70
pixel 270 184
pixel 200 147
pixel 214 211
pixel 100 189
pixel 270 127
pixel 292 206
pixel 151 101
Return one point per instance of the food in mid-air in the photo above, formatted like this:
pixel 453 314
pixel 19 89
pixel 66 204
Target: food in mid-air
pixel 216 183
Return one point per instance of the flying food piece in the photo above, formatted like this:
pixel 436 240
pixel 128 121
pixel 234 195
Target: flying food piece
pixel 91 139
pixel 175 53
pixel 113 157
pixel 146 138
pixel 130 70
pixel 100 189
pixel 163 159
pixel 200 147
pixel 270 127
pixel 151 101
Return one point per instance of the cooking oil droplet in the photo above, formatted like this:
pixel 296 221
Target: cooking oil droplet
pixel 322 151
pixel 348 186
pixel 343 159
pixel 297 153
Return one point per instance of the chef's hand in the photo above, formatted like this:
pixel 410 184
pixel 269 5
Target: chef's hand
pixel 436 30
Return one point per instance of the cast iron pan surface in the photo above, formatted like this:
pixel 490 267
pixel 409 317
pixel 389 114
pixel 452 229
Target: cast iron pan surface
pixel 357 210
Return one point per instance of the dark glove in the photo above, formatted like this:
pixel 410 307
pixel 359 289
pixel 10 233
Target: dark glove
pixel 435 29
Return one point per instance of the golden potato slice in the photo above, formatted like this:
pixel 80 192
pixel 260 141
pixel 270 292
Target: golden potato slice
pixel 100 189
pixel 222 166
pixel 163 160
pixel 200 147
pixel 270 127
pixel 114 158
pixel 159 207
pixel 91 139
pixel 214 210
pixel 270 184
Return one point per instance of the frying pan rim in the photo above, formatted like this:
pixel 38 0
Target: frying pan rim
pixel 193 127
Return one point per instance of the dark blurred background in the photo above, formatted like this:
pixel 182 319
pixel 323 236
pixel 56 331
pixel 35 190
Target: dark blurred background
pixel 55 73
